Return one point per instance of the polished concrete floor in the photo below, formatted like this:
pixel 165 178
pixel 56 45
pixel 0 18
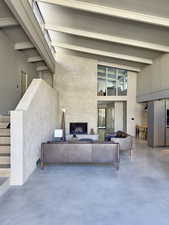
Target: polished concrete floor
pixel 2 180
pixel 138 194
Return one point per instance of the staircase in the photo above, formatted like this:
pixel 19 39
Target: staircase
pixel 4 146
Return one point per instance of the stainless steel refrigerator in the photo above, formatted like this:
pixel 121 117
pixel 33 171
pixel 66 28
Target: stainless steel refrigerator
pixel 167 122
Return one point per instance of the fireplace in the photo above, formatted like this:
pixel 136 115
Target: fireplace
pixel 78 128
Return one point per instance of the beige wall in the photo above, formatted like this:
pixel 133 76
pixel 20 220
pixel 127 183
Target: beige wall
pixel 32 123
pixel 11 64
pixel 76 83
pixel 46 76
pixel 153 80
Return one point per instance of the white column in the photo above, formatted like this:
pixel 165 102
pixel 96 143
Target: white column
pixel 119 116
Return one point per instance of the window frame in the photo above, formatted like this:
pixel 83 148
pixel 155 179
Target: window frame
pixel 117 80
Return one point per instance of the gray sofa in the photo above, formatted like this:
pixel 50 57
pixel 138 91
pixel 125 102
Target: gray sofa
pixel 80 152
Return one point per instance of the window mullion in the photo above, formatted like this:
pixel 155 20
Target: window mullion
pixel 106 79
pixel 117 82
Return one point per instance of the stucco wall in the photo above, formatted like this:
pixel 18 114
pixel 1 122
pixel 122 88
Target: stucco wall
pixel 11 64
pixel 133 109
pixel 153 80
pixel 76 82
pixel 46 76
pixel 32 123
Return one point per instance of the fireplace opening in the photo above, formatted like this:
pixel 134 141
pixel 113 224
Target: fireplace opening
pixel 78 128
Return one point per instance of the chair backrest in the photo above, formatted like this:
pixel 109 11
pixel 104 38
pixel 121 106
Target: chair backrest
pixel 125 143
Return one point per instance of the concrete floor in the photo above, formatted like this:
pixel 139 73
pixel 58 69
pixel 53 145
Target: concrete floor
pixel 2 180
pixel 138 194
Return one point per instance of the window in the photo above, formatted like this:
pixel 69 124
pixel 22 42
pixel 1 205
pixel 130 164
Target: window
pixel 111 81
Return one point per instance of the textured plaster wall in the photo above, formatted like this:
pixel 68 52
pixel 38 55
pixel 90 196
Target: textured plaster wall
pixel 32 123
pixel 11 64
pixel 134 110
pixel 46 76
pixel 154 79
pixel 76 82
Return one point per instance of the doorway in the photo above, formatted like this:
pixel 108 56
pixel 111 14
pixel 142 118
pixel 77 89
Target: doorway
pixel 112 116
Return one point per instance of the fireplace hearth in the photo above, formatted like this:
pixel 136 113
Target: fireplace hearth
pixel 78 128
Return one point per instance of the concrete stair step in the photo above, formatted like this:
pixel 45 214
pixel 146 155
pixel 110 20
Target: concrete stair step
pixel 4 160
pixel 4 118
pixel 4 140
pixel 4 132
pixel 4 149
pixel 4 146
pixel 4 172
pixel 4 124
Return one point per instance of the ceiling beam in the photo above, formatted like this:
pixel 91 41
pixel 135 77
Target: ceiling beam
pixel 120 66
pixel 109 38
pixel 102 53
pixel 34 59
pixel 23 46
pixel 109 11
pixel 8 22
pixel 42 68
